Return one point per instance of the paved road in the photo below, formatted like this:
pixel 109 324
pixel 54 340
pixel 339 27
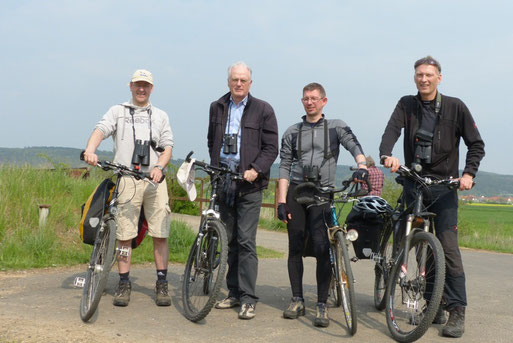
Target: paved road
pixel 42 306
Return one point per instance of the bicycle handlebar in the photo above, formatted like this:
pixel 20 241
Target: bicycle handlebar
pixel 212 170
pixel 121 169
pixel 425 180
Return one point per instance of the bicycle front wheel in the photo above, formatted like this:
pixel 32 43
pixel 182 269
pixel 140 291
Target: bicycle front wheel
pixel 205 270
pixel 345 281
pixel 384 262
pixel 414 291
pixel 100 264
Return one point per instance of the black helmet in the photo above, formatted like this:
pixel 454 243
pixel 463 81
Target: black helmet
pixel 373 204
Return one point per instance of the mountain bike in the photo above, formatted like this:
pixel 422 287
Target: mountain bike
pixel 104 251
pixel 417 276
pixel 342 281
pixel 206 264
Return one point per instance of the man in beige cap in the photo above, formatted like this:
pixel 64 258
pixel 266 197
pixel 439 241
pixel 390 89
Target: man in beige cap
pixel 139 123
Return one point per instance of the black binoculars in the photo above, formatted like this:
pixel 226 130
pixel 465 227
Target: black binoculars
pixel 311 174
pixel 230 144
pixel 423 146
pixel 141 154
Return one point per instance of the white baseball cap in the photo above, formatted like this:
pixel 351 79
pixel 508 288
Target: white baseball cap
pixel 142 75
pixel 185 177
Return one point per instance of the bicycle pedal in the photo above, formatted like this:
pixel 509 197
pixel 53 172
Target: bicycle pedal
pixel 124 251
pixel 79 282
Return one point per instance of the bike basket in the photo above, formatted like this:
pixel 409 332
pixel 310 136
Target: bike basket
pixel 368 226
pixel 94 209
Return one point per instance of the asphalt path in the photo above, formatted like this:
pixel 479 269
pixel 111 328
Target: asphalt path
pixel 42 306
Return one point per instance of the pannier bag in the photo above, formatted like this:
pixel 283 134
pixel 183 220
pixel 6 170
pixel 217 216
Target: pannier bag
pixel 365 217
pixel 96 207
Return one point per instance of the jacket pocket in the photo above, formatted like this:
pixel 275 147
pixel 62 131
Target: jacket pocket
pixel 445 137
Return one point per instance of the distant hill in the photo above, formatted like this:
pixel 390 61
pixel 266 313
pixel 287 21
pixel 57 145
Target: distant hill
pixel 487 184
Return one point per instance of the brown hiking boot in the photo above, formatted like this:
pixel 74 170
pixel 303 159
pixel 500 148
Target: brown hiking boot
pixel 162 294
pixel 456 324
pixel 122 294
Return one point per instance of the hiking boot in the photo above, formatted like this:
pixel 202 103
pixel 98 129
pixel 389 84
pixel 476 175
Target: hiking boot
pixel 440 317
pixel 122 294
pixel 162 293
pixel 321 318
pixel 295 309
pixel 228 302
pixel 456 324
pixel 247 311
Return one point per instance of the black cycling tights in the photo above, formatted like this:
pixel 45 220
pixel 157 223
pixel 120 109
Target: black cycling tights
pixel 311 219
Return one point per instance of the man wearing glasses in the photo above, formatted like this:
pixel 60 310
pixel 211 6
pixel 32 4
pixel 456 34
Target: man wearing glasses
pixel 242 136
pixel 309 153
pixel 433 126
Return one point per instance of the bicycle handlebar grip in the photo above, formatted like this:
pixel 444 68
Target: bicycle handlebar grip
pixel 82 155
pixel 188 158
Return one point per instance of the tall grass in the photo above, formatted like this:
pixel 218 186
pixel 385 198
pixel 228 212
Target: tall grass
pixel 23 244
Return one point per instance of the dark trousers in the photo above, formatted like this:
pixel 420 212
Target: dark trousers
pixel 444 203
pixel 241 222
pixel 311 220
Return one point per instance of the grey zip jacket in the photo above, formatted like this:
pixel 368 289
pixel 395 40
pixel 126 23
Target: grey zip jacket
pixel 119 124
pixel 312 149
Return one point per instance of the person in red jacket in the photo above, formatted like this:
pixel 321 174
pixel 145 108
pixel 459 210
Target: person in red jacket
pixel 433 126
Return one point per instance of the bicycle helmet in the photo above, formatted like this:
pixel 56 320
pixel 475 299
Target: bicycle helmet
pixel 373 204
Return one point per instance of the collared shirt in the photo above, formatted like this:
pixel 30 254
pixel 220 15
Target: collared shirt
pixel 376 180
pixel 233 127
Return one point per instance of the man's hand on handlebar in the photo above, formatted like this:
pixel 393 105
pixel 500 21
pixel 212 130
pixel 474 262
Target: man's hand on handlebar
pixel 466 182
pixel 392 163
pixel 360 176
pixel 156 175
pixel 90 158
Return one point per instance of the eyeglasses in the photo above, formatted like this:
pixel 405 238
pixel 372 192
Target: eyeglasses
pixel 243 81
pixel 313 100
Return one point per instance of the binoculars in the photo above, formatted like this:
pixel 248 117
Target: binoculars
pixel 423 146
pixel 230 144
pixel 311 174
pixel 141 155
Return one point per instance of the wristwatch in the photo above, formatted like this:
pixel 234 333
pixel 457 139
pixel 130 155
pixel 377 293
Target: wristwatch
pixel 159 167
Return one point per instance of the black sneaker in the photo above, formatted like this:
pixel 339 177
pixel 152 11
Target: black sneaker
pixel 122 294
pixel 456 324
pixel 295 309
pixel 162 294
pixel 321 318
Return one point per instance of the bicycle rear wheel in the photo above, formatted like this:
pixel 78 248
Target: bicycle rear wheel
pixel 384 262
pixel 100 264
pixel 412 300
pixel 205 270
pixel 345 281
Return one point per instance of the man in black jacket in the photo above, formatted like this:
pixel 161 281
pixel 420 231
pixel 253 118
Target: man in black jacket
pixel 242 136
pixel 433 126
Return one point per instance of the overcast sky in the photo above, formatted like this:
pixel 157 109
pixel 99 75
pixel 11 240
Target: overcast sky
pixel 64 63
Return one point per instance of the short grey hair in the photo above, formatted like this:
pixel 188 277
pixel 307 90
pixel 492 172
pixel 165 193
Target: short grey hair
pixel 429 61
pixel 239 64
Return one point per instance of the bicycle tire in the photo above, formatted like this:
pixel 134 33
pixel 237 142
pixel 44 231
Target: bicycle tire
pixel 100 264
pixel 382 268
pixel 346 281
pixel 203 277
pixel 335 286
pixel 408 313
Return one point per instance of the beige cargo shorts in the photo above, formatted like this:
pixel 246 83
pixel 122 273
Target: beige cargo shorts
pixel 136 193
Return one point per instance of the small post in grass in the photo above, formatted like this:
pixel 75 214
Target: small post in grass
pixel 44 210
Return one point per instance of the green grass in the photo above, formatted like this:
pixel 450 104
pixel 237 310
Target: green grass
pixel 486 227
pixel 24 245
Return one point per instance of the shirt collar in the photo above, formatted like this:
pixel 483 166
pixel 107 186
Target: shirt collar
pixel 242 103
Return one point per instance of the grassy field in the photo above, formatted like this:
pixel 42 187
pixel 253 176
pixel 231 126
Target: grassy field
pixel 486 226
pixel 23 244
